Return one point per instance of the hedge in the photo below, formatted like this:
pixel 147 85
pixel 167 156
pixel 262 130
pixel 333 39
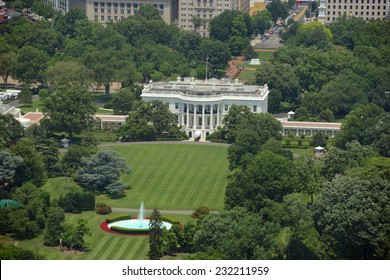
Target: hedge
pixel 130 231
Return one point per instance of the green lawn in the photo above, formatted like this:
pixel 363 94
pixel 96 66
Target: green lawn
pixel 173 176
pixel 36 104
pixel 103 245
pixel 264 56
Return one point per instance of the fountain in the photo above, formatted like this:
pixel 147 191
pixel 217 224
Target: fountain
pixel 137 224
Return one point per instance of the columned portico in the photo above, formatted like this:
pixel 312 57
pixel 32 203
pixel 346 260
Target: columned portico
pixel 201 105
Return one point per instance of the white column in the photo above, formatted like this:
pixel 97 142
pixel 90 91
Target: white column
pixel 194 124
pixel 182 114
pixel 211 117
pixel 188 115
pixel 218 115
pixel 203 118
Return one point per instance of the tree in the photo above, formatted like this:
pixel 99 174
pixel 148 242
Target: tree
pixel 326 115
pixel 301 114
pixel 279 77
pixel 170 242
pixel 71 160
pixel 238 39
pixel 25 95
pixel 149 12
pixel 278 10
pixel 54 226
pixel 216 52
pixel 361 125
pixel 123 101
pixel 101 172
pixel 36 203
pixel 73 236
pixel 232 120
pixel 32 168
pixel 156 240
pixel 236 235
pixel 30 65
pixel 253 131
pixel 66 23
pixel 50 153
pixel 352 215
pixel 261 22
pixel 8 167
pixel 197 22
pixel 11 130
pixel 318 140
pixel 69 110
pixel 268 176
pixel 7 61
pixel 309 176
pixel 68 74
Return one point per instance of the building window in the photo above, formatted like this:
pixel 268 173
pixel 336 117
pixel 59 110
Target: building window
pixel 226 107
pixel 96 18
pixel 102 18
pixel 176 106
pixel 254 109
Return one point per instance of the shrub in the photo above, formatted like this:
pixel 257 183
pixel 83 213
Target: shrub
pixel 102 209
pixel 288 142
pixel 75 202
pixel 201 211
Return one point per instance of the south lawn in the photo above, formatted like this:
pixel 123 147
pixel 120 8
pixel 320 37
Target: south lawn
pixel 166 176
pixel 173 176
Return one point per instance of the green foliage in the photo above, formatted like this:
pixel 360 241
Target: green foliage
pixel 54 226
pixel 375 167
pixel 156 241
pixel 362 124
pixel 278 10
pixel 71 160
pixel 69 110
pixel 101 172
pixel 252 131
pixel 8 167
pixel 66 23
pixel 11 252
pixel 76 202
pixel 200 212
pixel 149 12
pixel 266 176
pixel 122 102
pixel 326 116
pixel 73 236
pixel 30 65
pixel 102 209
pixel 337 161
pixel 318 140
pixel 234 235
pixel 261 22
pixel 25 95
pixel 32 168
pixel 7 61
pixel 68 74
pixel 352 215
pixel 11 130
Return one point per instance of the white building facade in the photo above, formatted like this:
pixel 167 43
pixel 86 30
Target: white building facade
pixel 201 105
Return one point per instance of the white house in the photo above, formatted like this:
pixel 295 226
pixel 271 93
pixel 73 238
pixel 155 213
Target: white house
pixel 200 105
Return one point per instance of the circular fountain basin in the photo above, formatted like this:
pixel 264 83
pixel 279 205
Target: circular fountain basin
pixel 136 224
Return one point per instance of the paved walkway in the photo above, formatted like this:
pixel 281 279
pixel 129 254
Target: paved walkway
pixel 180 212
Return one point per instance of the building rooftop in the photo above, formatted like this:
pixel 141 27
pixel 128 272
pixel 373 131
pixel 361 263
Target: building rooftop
pixel 211 87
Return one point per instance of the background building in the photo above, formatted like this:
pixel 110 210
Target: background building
pixel 206 10
pixel 115 10
pixel 365 9
pixel 201 105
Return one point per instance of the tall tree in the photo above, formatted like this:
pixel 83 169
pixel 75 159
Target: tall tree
pixel 352 215
pixel 73 236
pixel 54 226
pixel 68 74
pixel 156 240
pixel 25 95
pixel 7 61
pixel 123 101
pixel 69 110
pixel 32 169
pixel 101 172
pixel 11 130
pixel 8 166
pixel 278 10
pixel 30 65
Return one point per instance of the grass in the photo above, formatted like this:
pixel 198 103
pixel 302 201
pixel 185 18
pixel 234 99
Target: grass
pixel 247 75
pixel 60 186
pixel 103 245
pixel 265 56
pixel 36 104
pixel 173 176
